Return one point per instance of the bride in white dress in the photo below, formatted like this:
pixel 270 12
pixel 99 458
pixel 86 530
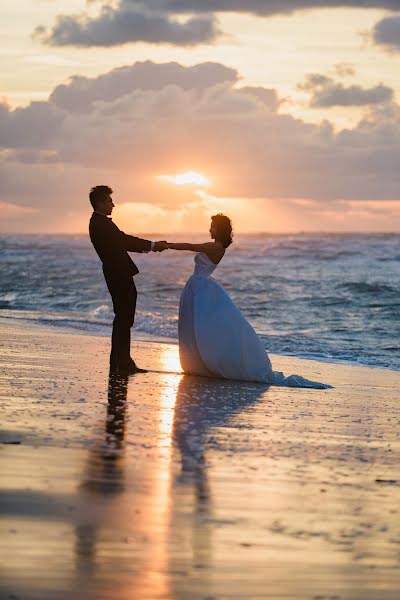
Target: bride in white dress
pixel 215 339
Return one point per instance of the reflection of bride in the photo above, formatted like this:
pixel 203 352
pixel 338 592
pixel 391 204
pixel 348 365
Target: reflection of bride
pixel 202 410
pixel 201 405
pixel 215 339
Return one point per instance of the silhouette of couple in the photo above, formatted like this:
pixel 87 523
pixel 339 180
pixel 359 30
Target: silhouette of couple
pixel 215 339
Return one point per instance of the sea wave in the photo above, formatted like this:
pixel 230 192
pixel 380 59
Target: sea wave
pixel 362 287
pixel 315 296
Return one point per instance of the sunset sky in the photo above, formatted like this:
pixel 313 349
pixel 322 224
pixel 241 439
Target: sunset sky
pixel 284 114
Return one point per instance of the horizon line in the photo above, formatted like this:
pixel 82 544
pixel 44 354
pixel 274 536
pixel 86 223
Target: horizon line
pixel 180 232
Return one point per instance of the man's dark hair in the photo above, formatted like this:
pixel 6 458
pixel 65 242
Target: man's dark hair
pixel 98 193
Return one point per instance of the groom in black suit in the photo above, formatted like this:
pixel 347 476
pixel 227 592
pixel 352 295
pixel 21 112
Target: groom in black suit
pixel 112 245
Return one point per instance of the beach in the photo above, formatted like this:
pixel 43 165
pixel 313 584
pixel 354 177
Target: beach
pixel 167 486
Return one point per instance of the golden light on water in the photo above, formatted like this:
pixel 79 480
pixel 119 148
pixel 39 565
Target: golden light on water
pixel 186 178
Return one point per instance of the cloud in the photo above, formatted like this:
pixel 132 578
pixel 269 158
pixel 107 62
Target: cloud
pixel 160 21
pixel 114 27
pixel 267 96
pixel 80 93
pixel 325 92
pixel 9 210
pixel 237 136
pixel 344 70
pixel 387 33
pixel 31 127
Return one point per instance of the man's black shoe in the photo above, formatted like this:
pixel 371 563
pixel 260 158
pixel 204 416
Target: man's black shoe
pixel 124 371
pixel 139 370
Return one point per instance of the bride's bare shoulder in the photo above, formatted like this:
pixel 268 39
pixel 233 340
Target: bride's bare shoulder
pixel 216 253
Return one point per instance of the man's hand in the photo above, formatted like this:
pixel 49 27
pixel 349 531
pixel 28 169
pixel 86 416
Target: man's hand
pixel 160 246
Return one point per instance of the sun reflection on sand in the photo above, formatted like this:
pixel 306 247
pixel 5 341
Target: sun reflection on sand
pixel 158 509
pixel 136 490
pixel 169 362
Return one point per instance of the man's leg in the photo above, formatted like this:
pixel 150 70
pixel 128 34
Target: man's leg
pixel 123 294
pixel 132 305
pixel 125 304
pixel 130 314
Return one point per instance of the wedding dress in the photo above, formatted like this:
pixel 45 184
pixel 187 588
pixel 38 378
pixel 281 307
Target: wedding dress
pixel 215 339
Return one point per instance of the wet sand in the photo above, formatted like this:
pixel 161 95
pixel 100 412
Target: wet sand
pixel 176 487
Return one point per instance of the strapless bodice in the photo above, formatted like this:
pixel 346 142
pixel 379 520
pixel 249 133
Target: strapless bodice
pixel 203 266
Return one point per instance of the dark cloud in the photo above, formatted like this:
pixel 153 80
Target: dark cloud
pixel 80 93
pixel 155 21
pixel 114 27
pixel 387 33
pixel 258 7
pixel 326 92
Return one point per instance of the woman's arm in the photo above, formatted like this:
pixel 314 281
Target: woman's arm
pixel 207 248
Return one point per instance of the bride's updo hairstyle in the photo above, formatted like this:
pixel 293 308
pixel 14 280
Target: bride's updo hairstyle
pixel 224 232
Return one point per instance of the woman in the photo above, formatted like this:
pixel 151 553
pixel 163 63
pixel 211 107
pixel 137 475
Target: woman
pixel 215 340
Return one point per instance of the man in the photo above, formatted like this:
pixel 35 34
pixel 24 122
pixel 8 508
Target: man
pixel 112 245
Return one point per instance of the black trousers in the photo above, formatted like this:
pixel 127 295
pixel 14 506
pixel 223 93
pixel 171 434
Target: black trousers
pixel 124 295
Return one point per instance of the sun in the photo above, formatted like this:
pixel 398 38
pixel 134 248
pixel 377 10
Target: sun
pixel 187 178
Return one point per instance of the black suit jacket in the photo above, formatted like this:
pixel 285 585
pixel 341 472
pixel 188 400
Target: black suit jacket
pixel 112 245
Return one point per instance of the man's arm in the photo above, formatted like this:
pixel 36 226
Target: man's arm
pixel 134 244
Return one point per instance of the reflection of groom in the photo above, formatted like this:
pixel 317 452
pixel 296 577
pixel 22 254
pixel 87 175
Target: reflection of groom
pixel 112 245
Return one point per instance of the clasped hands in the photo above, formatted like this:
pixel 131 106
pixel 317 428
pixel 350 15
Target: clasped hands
pixel 160 246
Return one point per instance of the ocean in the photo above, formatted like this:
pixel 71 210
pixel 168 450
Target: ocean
pixel 333 297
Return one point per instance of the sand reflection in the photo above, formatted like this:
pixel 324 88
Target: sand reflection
pixel 201 406
pixel 179 487
pixel 126 483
